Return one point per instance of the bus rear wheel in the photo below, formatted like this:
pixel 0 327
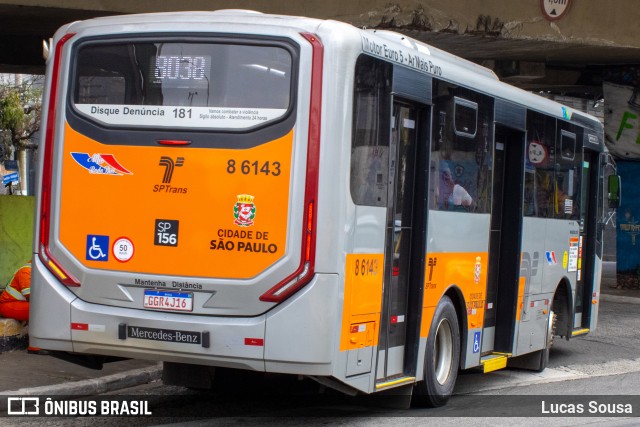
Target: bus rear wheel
pixel 442 357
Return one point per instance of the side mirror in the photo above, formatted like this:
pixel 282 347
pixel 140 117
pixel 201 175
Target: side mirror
pixel 614 191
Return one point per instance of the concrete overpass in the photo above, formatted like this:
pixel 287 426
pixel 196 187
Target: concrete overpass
pixel 512 36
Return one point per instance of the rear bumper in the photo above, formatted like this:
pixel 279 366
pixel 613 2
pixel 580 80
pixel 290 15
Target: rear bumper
pixel 295 337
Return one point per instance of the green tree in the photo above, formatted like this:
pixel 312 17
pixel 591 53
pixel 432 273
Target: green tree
pixel 20 107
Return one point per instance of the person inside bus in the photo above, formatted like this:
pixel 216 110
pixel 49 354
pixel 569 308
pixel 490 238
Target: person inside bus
pixel 564 204
pixel 451 195
pixel 14 300
pixel 544 193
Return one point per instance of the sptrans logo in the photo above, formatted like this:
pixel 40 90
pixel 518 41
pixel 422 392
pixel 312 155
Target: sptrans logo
pixel 169 166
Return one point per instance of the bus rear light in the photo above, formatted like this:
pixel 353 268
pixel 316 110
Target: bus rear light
pixel 305 271
pixel 61 274
pixel 282 291
pixel 47 173
pixel 172 142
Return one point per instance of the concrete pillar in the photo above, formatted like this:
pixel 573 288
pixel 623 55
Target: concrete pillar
pixel 23 171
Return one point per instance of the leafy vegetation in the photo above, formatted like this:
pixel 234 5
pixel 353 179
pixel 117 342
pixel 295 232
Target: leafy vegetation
pixel 20 112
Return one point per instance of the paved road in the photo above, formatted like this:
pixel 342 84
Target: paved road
pixel 605 362
pixel 609 269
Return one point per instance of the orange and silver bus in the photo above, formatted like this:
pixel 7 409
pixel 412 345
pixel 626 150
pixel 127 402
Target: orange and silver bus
pixel 235 190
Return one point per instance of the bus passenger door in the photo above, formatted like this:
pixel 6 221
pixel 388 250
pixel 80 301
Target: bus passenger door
pixel 589 239
pixel 505 241
pixel 404 242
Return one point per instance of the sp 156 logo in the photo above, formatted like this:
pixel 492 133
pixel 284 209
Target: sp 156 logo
pixel 166 232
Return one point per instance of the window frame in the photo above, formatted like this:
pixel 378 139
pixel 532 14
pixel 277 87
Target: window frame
pixel 462 102
pixel 571 135
pixel 86 122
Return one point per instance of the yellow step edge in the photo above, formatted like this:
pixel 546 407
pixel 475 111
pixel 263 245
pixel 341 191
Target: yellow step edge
pixel 494 362
pixel 398 381
pixel 577 332
pixel 497 353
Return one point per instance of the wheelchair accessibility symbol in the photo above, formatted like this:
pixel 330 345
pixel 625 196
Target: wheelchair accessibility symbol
pixel 97 248
pixel 476 342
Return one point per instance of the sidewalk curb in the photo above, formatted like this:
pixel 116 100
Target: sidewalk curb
pixel 93 386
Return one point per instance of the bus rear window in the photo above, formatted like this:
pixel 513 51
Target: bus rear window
pixel 182 85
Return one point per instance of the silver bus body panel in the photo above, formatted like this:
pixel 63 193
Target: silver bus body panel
pixel 49 296
pixel 300 333
pixel 542 277
pixel 302 347
pixel 457 232
pixel 368 233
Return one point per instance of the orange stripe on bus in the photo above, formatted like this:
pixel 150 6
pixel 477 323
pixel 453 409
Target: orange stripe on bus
pixel 362 301
pixel 465 270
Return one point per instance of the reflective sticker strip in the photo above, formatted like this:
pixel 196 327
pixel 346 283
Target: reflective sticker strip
pixel 521 284
pixel 88 327
pixel 358 328
pixel 254 341
pixel 14 293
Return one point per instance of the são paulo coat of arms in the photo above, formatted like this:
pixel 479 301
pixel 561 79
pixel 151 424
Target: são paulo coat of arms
pixel 244 211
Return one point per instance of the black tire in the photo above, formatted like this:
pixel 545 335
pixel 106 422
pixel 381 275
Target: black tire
pixel 442 357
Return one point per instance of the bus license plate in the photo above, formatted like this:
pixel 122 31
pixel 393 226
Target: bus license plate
pixel 164 300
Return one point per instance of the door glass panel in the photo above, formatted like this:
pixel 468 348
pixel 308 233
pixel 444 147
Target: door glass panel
pixel 404 136
pixel 402 157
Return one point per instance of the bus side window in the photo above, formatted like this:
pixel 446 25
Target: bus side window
pixel 568 172
pixel 539 181
pixel 461 150
pixel 370 143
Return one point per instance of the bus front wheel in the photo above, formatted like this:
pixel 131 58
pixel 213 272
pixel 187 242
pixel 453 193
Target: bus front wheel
pixel 442 357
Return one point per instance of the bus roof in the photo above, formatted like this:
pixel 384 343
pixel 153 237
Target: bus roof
pixel 455 69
